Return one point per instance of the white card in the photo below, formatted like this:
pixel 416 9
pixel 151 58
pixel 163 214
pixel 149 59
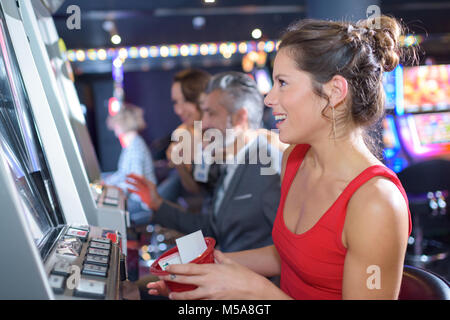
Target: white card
pixel 191 246
pixel 174 258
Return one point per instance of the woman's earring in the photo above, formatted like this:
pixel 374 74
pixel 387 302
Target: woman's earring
pixel 334 123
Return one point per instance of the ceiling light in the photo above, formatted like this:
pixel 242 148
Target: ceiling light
pixel 256 33
pixel 102 55
pixel 209 1
pixel 117 63
pixel 108 25
pixel 198 22
pixel 116 39
pixel 164 51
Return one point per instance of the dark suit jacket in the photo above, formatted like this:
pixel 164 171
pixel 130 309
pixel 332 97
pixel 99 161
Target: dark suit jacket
pixel 246 214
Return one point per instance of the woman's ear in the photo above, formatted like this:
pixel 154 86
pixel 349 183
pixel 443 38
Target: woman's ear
pixel 337 90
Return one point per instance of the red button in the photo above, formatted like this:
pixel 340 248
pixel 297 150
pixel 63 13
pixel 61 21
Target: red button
pixel 112 237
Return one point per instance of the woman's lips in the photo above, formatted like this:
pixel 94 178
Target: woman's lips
pixel 279 119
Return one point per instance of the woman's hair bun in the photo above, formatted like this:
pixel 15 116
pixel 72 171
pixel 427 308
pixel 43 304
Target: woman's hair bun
pixel 383 33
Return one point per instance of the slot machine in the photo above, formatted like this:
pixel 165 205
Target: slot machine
pixel 424 114
pixel 103 205
pixel 45 253
pixel 394 156
pixel 417 125
pixel 421 123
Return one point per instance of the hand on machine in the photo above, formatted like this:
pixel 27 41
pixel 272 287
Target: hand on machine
pixel 146 190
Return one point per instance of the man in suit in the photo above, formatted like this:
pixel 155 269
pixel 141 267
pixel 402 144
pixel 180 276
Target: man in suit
pixel 246 196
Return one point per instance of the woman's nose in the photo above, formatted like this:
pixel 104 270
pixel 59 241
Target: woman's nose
pixel 269 99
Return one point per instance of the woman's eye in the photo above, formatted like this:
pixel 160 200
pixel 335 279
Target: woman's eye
pixel 282 83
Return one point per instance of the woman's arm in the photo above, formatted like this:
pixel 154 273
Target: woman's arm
pixel 264 261
pixel 375 234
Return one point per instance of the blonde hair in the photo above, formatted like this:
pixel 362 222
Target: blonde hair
pixel 129 118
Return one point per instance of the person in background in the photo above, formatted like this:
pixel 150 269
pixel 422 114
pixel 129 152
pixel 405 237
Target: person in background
pixel 187 88
pixel 246 196
pixel 343 221
pixel 135 156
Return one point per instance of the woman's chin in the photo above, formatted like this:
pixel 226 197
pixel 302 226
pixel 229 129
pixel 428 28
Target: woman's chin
pixel 189 122
pixel 288 139
pixel 284 137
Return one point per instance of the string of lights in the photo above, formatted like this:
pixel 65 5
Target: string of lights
pixel 227 49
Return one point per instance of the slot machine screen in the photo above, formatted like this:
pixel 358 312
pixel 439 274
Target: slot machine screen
pixel 426 88
pixel 390 138
pixel 392 153
pixel 39 224
pixel 20 146
pixel 389 89
pixel 433 128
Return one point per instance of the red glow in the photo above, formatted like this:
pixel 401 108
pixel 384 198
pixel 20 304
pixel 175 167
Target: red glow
pixel 113 106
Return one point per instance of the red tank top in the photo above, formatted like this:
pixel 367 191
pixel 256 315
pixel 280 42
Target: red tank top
pixel 312 263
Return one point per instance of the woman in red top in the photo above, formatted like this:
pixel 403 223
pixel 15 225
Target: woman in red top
pixel 343 221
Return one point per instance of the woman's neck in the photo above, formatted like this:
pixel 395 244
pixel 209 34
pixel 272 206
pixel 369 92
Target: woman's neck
pixel 341 155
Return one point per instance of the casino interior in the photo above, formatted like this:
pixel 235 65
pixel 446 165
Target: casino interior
pixel 68 67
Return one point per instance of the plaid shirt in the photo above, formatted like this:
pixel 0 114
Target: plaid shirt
pixel 136 158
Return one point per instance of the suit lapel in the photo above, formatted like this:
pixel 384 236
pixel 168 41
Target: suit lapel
pixel 250 153
pixel 218 183
pixel 229 192
pixel 214 218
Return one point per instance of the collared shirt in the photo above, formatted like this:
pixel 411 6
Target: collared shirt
pixel 135 158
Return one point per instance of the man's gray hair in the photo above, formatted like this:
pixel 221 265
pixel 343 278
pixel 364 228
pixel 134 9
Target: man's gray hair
pixel 241 91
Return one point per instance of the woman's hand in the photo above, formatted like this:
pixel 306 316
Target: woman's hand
pixel 158 288
pixel 225 279
pixel 146 190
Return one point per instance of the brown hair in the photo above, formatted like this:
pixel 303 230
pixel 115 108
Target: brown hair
pixel 357 51
pixel 193 82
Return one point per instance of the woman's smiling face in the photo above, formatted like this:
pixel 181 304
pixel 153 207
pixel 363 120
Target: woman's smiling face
pixel 296 107
pixel 187 111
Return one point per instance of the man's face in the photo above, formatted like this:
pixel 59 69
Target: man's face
pixel 215 115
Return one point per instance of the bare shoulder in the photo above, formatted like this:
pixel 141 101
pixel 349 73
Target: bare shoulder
pixel 377 208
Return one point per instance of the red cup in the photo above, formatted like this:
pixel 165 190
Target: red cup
pixel 205 257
